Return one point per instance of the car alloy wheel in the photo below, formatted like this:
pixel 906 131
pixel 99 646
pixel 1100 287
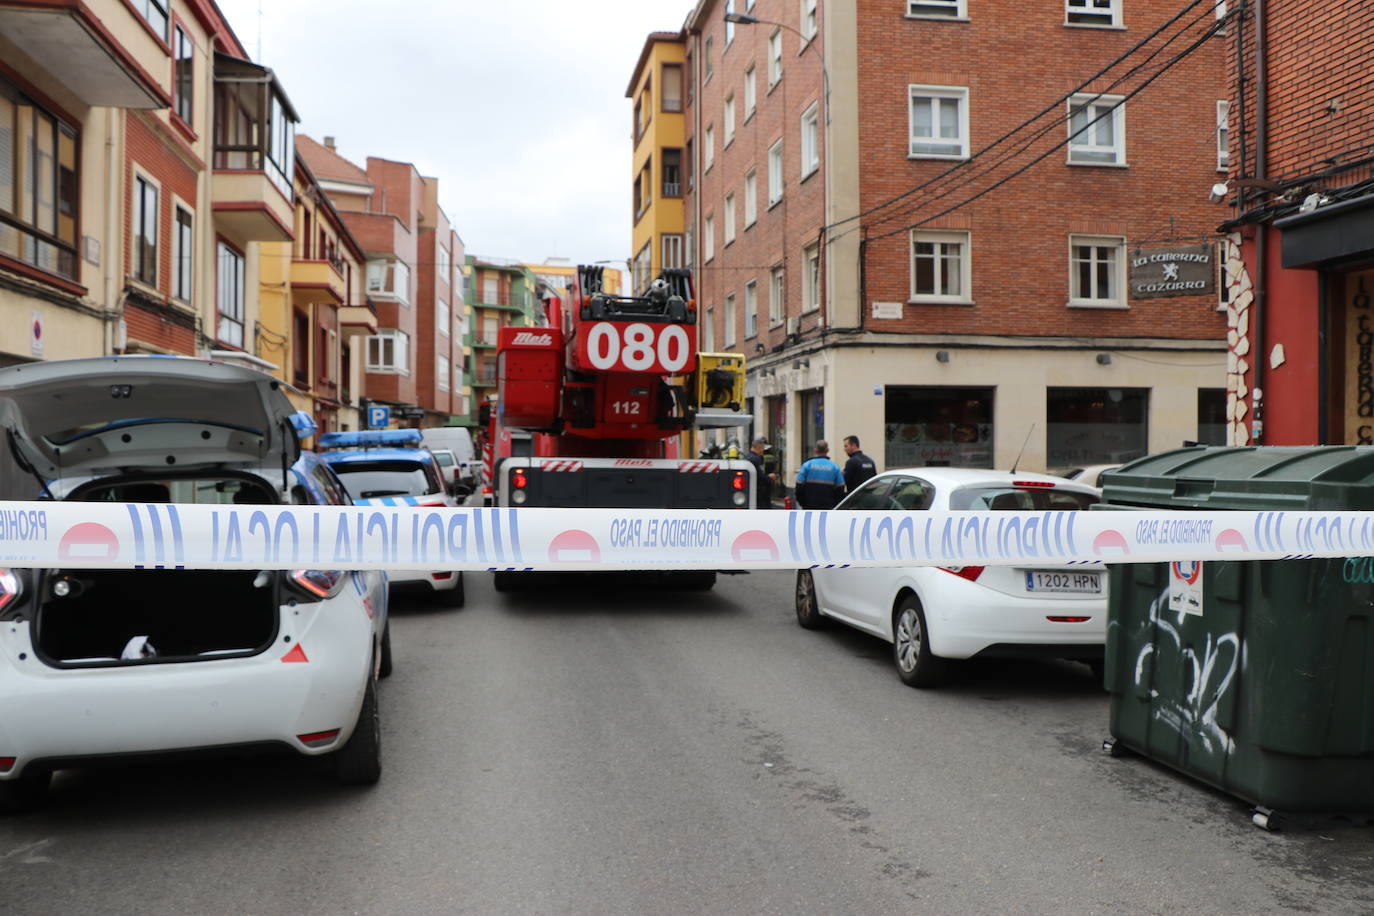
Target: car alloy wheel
pixel 808 608
pixel 916 666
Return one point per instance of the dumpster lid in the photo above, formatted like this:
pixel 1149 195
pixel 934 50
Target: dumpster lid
pixel 1247 477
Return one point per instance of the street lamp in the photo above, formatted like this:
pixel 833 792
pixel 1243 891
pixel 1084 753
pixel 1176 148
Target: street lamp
pixel 744 19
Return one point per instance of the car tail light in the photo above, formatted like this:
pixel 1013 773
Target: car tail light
pixel 1068 619
pixel 970 573
pixel 319 739
pixel 431 505
pixel 9 588
pixel 441 576
pixel 1041 484
pixel 741 481
pixel 6 764
pixel 319 583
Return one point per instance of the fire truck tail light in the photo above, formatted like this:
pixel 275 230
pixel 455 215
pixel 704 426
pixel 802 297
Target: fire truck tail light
pixel 739 499
pixel 740 481
pixel 519 497
pixel 518 479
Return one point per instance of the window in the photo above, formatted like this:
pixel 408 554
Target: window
pixel 442 321
pixel 811 278
pixel 300 348
pixel 155 12
pixel 672 173
pixel 390 280
pixel 389 351
pixel 38 185
pixel 751 198
pixel 729 218
pixel 145 231
pixel 708 239
pixel 730 320
pixel 708 331
pixel 184 51
pixel 255 127
pixel 444 372
pixel 810 140
pixel 939 122
pixel 939 266
pixel 1097 130
pixel 670 93
pixel 709 63
pixel 491 288
pixel 729 117
pixel 729 26
pixel 687 165
pixel 710 147
pixel 1096 267
pixel 671 255
pixel 444 266
pixel 751 309
pixel 1211 416
pixel 938 426
pixel 183 250
pixel 775 173
pixel 229 296
pixel 808 19
pixel 1096 425
pixel 751 95
pixel 777 298
pixel 938 9
pixel 774 58
pixel 1101 13
pixel 643 268
pixel 1223 134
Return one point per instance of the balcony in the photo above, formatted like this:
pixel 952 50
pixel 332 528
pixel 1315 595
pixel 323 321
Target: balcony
pixel 254 153
pixel 100 50
pixel 484 341
pixel 317 281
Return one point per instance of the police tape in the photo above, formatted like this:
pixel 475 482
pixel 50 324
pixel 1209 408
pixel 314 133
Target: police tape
pixel 167 536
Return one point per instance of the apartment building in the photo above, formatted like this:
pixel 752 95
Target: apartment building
pixel 559 273
pixel 501 293
pixel 1301 184
pixel 314 317
pixel 948 227
pixel 441 315
pixel 661 156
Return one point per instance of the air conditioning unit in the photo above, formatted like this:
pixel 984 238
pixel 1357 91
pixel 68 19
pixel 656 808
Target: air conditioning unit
pixel 793 325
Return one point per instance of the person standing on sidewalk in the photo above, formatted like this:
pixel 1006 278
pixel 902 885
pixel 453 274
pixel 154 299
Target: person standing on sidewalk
pixel 763 478
pixel 859 467
pixel 820 482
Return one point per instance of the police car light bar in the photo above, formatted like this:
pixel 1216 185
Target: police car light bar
pixel 371 438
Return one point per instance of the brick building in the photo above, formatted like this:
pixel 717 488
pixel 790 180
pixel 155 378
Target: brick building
pixel 896 267
pixel 501 293
pixel 1302 183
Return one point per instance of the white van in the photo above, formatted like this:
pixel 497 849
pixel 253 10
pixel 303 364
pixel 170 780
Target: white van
pixel 457 439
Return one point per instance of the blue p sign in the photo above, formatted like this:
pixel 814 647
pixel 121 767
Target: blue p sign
pixel 378 417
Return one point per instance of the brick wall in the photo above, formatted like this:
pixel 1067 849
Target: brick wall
pixel 152 150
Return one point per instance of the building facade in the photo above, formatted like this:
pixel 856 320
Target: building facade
pixel 500 293
pixel 891 221
pixel 661 158
pixel 1301 182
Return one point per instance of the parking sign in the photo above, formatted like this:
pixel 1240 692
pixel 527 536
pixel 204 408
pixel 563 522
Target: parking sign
pixel 378 417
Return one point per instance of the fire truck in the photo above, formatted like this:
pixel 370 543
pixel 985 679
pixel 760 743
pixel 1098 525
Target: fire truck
pixel 591 410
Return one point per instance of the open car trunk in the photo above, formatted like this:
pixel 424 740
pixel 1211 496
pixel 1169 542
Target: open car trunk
pixel 140 616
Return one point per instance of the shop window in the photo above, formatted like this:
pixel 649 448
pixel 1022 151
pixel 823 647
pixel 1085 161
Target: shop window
pixel 1211 416
pixel 1096 425
pixel 929 426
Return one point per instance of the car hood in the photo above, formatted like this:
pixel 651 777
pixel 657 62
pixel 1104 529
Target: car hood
pixel 120 413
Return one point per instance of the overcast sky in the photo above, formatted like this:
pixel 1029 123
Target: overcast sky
pixel 517 106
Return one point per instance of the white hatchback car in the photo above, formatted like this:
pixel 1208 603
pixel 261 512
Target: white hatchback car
pixel 104 663
pixel 935 614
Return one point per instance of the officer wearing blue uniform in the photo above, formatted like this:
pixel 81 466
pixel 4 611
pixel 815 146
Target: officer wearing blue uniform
pixel 819 482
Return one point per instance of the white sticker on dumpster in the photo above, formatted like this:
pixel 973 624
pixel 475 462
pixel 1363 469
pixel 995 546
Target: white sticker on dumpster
pixel 1185 587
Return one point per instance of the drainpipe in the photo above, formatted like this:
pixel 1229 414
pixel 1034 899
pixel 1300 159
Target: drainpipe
pixel 1261 252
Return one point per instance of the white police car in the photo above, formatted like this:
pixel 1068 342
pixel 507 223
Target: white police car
pixel 388 467
pixel 98 664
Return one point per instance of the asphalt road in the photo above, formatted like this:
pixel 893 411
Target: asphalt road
pixel 604 750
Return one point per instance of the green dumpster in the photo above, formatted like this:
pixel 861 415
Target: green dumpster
pixel 1254 676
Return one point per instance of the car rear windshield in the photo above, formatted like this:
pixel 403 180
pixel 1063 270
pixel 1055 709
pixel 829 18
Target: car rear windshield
pixel 373 479
pixel 444 458
pixel 1027 499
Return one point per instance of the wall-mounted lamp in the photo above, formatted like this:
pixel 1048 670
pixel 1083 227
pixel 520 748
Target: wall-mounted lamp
pixel 942 356
pixel 1104 359
pixel 801 364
